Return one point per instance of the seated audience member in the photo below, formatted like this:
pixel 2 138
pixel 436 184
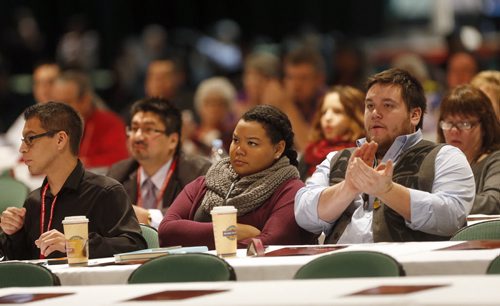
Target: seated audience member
pixel 44 76
pixel 467 121
pixel 337 124
pixel 259 178
pixel 158 170
pixel 303 87
pixel 261 69
pixel 52 134
pixel 489 82
pixel 214 100
pixel 461 68
pixel 395 186
pixel 104 139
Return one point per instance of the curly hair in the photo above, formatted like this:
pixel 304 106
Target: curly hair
pixel 277 126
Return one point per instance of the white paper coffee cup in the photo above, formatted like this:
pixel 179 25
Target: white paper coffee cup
pixel 76 232
pixel 224 225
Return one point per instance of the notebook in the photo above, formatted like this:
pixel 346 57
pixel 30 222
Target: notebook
pixel 156 252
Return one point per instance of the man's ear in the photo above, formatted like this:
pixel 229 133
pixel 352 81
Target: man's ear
pixel 173 140
pixel 415 116
pixel 62 139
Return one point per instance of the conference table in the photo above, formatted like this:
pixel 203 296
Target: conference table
pixel 417 258
pixel 422 290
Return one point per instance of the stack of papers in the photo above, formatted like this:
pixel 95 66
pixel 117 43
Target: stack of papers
pixel 156 252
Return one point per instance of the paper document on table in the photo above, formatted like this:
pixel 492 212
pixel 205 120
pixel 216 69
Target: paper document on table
pixel 304 250
pixel 156 252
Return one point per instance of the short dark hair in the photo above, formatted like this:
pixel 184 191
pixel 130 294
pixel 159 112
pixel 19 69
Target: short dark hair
pixel 412 91
pixel 467 100
pixel 277 126
pixel 81 80
pixel 169 114
pixel 306 56
pixel 56 116
pixel 46 62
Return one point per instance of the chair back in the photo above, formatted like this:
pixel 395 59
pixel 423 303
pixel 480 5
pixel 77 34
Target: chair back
pixel 23 274
pixel 150 234
pixel 12 192
pixel 192 267
pixel 351 264
pixel 487 230
pixel 494 267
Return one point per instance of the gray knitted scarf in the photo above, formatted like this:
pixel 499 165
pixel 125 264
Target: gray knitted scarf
pixel 248 192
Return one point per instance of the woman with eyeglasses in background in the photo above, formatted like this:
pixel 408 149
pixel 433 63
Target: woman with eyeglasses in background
pixel 467 121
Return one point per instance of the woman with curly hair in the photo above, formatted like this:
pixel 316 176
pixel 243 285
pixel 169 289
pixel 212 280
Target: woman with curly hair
pixel 259 178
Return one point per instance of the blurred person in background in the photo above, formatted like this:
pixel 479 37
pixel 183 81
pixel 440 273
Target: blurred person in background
pixel 337 124
pixel 467 121
pixel 304 85
pixel 214 102
pixel 260 69
pixel 461 68
pixel 489 82
pixel 158 169
pixel 44 76
pixel 259 178
pixel 349 64
pixel 104 140
pixel 165 79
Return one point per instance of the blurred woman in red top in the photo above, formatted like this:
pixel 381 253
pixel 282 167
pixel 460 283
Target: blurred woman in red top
pixel 337 124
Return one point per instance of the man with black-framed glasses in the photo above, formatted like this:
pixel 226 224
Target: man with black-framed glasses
pixel 50 147
pixel 158 170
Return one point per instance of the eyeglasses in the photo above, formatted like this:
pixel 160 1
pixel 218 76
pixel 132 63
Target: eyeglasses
pixel 146 131
pixel 28 140
pixel 465 125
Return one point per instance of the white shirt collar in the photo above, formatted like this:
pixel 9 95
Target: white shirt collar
pixel 159 177
pixel 401 143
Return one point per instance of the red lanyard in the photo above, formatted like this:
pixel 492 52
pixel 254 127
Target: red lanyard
pixel 159 198
pixel 42 213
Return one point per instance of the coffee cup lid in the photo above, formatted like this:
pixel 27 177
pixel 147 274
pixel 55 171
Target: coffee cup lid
pixel 75 219
pixel 223 210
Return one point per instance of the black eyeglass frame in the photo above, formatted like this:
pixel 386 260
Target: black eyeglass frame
pixel 28 140
pixel 130 131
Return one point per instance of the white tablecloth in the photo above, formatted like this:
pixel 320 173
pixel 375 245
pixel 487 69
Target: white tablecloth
pixel 417 258
pixel 459 290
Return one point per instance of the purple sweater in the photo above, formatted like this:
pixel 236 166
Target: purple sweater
pixel 274 218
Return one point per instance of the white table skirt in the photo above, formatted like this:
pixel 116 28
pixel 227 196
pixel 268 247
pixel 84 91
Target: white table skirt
pixel 417 258
pixel 459 290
